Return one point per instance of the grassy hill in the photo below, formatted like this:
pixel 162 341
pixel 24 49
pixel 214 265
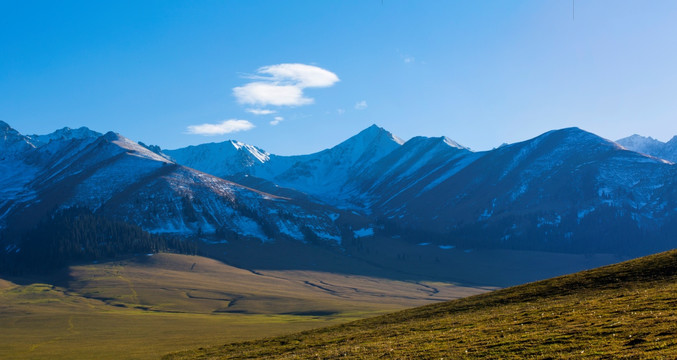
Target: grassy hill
pixel 146 306
pixel 623 310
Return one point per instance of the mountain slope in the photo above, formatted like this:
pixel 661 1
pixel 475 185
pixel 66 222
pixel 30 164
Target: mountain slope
pixel 417 166
pixel 554 192
pixel 25 160
pixel 64 134
pixel 622 310
pixel 565 191
pixel 117 177
pixel 651 146
pixel 12 142
pixel 220 159
pixel 323 174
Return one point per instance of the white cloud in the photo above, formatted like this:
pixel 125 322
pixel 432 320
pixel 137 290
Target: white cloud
pixel 224 127
pixel 300 74
pixel 361 105
pixel 276 120
pixel 340 111
pixel 283 84
pixel 263 93
pixel 260 111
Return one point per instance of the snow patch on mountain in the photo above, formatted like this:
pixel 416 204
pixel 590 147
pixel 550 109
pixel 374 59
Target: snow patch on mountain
pixel 12 143
pixel 651 146
pixel 458 166
pixel 64 134
pixel 290 229
pixel 329 173
pixel 221 159
pixel 364 232
pixel 134 148
pixel 642 144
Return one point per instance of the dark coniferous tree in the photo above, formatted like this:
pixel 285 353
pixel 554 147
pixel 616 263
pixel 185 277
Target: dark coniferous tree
pixel 77 235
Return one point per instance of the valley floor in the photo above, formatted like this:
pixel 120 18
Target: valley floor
pixel 147 306
pixel 625 310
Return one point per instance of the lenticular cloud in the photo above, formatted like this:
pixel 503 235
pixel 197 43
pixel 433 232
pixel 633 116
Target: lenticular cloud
pixel 224 127
pixel 283 84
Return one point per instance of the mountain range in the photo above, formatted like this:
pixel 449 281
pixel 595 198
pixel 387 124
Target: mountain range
pixel 117 177
pixel 567 191
pixel 554 192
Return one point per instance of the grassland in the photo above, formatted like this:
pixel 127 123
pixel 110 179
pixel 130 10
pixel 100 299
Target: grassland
pixel 144 307
pixel 625 310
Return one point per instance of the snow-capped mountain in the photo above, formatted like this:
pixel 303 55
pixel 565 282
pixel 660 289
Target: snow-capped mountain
pixel 553 192
pixel 553 187
pixel 417 166
pixel 651 146
pixel 328 174
pixel 567 190
pixel 325 174
pixel 64 134
pixel 220 159
pixel 117 177
pixel 12 142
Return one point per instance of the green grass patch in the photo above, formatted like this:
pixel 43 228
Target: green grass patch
pixel 622 310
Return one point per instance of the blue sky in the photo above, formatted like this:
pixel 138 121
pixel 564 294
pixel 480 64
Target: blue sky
pixel 479 72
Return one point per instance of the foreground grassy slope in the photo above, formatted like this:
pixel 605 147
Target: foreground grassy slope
pixel 623 310
pixel 144 307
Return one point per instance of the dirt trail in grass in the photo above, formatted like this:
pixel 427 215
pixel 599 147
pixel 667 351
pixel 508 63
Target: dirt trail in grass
pixel 70 332
pixel 135 296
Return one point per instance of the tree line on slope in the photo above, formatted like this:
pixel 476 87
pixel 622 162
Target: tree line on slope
pixel 77 235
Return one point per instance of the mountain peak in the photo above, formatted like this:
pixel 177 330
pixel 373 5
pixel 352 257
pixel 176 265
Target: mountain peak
pixel 439 140
pixel 453 143
pixel 644 145
pixel 635 138
pixel 4 126
pixel 111 136
pixel 373 132
pixel 225 158
pixel 572 130
pixel 374 141
pixel 11 141
pixel 576 134
pixel 65 133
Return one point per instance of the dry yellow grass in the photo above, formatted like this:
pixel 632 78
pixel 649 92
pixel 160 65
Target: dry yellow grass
pixel 625 310
pixel 169 282
pixel 148 306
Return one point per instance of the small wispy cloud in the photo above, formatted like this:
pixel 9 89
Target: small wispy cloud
pixel 406 58
pixel 283 85
pixel 361 105
pixel 276 120
pixel 224 127
pixel 260 111
pixel 340 111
